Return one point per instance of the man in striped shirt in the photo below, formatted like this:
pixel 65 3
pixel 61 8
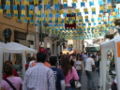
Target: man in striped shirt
pixel 39 77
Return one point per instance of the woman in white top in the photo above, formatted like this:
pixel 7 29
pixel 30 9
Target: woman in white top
pixel 79 67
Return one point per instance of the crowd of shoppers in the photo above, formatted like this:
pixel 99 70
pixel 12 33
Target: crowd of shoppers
pixel 52 73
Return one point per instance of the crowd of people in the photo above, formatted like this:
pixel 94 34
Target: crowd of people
pixel 46 72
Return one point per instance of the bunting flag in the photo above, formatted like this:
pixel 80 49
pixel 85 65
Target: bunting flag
pixel 82 4
pixel 86 11
pixel 64 1
pixel 93 10
pixel 94 18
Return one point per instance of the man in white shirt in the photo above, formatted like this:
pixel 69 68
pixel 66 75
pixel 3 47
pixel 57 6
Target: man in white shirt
pixel 89 66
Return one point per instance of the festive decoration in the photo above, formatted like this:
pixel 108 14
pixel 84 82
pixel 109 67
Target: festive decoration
pixel 89 20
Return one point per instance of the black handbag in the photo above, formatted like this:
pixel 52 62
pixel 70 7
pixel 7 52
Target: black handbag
pixel 72 83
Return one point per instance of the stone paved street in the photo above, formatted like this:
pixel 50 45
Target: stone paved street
pixel 84 81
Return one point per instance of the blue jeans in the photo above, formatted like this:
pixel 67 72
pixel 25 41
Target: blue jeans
pixel 79 74
pixel 90 80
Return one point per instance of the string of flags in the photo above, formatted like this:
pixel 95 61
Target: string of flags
pixel 58 15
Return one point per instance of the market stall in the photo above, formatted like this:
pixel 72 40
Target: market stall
pixel 1 57
pixel 110 64
pixel 14 48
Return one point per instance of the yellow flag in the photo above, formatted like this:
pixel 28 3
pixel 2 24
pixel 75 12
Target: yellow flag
pixel 85 10
pixel 100 15
pixel 15 11
pixel 53 19
pixel 110 7
pixel 64 0
pixel 46 12
pixel 93 9
pixel 69 11
pixel 23 12
pixel 36 2
pixel 8 12
pixel 61 11
pixel 80 17
pixel 1 11
pixel 41 19
pixel 26 2
pixel 59 19
pixel 74 0
pixel 7 2
pixel 54 11
pixel 28 18
pixel 77 10
pixel 39 12
pixel 114 13
pixel 101 7
pixel 17 2
pixel 45 1
pixel 86 17
pixel 47 19
pixel 31 12
pixel 55 1
pixel 66 18
pixel 84 0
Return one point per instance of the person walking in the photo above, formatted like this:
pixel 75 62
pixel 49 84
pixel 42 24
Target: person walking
pixel 59 76
pixel 39 77
pixel 89 67
pixel 79 67
pixel 70 73
pixel 11 82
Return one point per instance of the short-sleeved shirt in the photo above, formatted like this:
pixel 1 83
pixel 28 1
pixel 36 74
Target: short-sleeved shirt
pixel 16 81
pixel 58 77
pixel 89 63
pixel 78 65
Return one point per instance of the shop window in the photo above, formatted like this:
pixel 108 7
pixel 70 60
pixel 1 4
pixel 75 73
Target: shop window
pixel 19 35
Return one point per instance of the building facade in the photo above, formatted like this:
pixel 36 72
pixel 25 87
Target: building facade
pixel 21 32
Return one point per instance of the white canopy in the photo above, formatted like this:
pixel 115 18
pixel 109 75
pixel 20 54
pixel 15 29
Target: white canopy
pixel 13 47
pixel 2 45
pixel 1 58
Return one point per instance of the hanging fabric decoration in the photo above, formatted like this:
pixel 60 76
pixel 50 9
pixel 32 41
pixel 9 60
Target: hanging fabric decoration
pixel 93 10
pixel 86 10
pixel 82 4
pixel 91 3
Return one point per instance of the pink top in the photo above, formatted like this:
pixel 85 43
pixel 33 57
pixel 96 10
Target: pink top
pixel 16 81
pixel 71 74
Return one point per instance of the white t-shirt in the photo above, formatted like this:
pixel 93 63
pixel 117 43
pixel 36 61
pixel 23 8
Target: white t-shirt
pixel 78 65
pixel 89 63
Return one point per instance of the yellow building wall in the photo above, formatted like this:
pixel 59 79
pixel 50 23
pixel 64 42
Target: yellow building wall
pixel 13 24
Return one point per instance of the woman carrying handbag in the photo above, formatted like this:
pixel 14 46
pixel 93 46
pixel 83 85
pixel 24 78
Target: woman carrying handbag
pixel 70 73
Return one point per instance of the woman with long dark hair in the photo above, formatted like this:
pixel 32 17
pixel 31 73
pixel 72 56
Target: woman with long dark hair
pixel 69 72
pixel 11 82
